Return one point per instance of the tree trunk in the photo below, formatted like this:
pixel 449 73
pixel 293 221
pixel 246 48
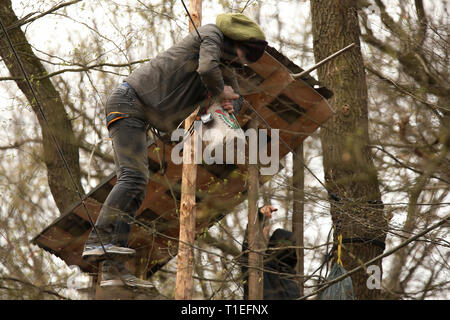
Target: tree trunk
pixel 298 176
pixel 347 160
pixel 185 267
pixel 255 258
pixel 61 185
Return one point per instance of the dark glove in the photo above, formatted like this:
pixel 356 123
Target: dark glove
pixel 237 105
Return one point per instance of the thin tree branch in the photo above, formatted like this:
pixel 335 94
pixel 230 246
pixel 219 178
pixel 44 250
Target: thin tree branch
pixel 24 20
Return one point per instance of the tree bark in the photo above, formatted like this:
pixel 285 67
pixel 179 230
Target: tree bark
pixel 347 160
pixel 255 258
pixel 185 267
pixel 62 187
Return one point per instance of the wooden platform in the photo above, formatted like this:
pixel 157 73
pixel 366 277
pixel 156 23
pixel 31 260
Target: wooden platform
pixel 294 106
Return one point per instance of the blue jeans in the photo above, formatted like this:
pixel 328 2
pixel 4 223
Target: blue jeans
pixel 129 139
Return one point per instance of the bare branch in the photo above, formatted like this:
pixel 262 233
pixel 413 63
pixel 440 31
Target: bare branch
pixel 25 19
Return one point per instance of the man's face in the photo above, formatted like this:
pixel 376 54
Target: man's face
pixel 241 55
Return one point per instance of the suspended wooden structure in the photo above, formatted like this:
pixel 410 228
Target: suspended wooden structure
pixel 298 107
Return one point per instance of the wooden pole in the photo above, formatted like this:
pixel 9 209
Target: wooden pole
pixel 255 262
pixel 298 213
pixel 184 282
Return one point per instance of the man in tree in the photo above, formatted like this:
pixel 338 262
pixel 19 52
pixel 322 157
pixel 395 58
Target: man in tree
pixel 279 263
pixel 161 94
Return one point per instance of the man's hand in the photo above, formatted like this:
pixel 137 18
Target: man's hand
pixel 267 211
pixel 226 98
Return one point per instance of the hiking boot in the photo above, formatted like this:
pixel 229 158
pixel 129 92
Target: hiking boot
pixel 115 274
pixel 93 253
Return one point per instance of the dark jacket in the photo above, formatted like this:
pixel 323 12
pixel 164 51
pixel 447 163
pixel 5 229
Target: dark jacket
pixel 279 265
pixel 176 81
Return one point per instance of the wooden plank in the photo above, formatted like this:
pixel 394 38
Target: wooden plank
pixel 302 94
pixel 157 199
pixel 93 207
pixel 163 204
pixel 267 65
pixel 55 239
pixel 270 89
pixel 72 251
pixel 312 120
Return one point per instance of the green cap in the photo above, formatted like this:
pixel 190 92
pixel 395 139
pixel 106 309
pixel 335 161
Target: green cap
pixel 239 27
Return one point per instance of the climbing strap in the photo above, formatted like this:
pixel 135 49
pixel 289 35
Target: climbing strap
pixel 339 251
pixel 114 116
